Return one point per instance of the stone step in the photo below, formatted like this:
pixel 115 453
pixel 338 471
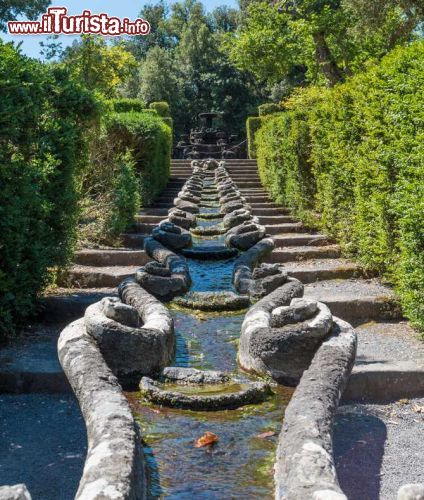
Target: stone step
pixel 149 219
pixel 144 227
pixel 276 219
pixel 277 229
pixel 154 211
pixel 309 271
pixel 356 300
pixel 111 257
pixel 229 162
pixel 250 185
pixel 299 239
pixel 270 211
pixel 258 205
pixel 134 240
pixel 299 253
pixel 80 276
pixel 161 205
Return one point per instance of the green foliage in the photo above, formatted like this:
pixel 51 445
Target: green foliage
pixel 149 139
pixel 123 105
pixel 10 10
pixel 253 124
pixel 355 155
pixel 101 67
pixel 188 68
pixel 126 196
pixel 43 114
pixel 269 108
pixel 323 40
pixel 162 108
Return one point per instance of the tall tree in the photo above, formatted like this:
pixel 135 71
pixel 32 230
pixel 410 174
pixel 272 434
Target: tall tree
pixel 11 9
pixel 331 38
pixel 99 66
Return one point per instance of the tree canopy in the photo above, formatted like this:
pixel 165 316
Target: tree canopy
pixel 326 40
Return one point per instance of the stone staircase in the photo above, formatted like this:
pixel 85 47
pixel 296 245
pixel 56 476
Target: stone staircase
pixel 306 255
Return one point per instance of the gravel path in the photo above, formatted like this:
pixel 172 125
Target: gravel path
pixel 42 444
pixel 378 448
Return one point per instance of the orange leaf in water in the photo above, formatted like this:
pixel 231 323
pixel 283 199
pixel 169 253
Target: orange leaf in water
pixel 266 434
pixel 207 439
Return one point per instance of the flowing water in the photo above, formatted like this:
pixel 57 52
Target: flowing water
pixel 240 464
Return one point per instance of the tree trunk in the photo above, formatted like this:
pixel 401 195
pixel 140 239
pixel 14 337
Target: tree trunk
pixel 325 60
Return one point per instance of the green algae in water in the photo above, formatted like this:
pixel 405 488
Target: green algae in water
pixel 204 389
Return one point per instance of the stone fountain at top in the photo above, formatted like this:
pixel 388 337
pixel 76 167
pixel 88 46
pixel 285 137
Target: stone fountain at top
pixel 208 141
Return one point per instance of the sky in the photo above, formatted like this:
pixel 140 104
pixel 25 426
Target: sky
pixel 119 8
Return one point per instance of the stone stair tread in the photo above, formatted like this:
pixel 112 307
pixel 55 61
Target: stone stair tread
pixel 313 264
pixel 341 289
pixel 356 300
pixel 309 271
pixel 111 256
pixel 110 270
pixel 298 253
pixel 388 341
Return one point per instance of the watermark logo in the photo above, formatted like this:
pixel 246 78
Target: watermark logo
pixel 57 22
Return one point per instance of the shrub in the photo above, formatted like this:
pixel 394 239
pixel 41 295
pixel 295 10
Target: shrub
pixel 124 105
pixel 269 109
pixel 126 196
pixel 149 140
pixel 355 155
pixel 253 124
pixel 162 108
pixel 43 114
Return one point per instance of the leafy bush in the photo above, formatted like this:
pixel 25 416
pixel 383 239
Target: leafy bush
pixel 355 155
pixel 253 124
pixel 269 109
pixel 43 114
pixel 126 196
pixel 149 140
pixel 124 105
pixel 162 108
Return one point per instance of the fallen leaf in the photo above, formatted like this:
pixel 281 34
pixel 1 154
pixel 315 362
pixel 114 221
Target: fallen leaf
pixel 403 401
pixel 207 439
pixel 266 434
pixel 418 409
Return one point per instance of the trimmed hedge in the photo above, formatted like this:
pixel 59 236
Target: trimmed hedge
pixel 162 108
pixel 253 124
pixel 124 105
pixel 269 109
pixel 149 139
pixel 43 115
pixel 355 155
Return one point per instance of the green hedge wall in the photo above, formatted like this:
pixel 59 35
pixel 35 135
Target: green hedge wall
pixel 43 114
pixel 162 108
pixel 269 109
pixel 354 154
pixel 149 139
pixel 124 105
pixel 253 124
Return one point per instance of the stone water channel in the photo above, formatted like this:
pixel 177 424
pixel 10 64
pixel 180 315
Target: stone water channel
pixel 240 464
pixel 206 338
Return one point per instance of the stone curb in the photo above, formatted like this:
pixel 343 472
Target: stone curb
pixel 114 467
pixel 304 467
pixel 386 381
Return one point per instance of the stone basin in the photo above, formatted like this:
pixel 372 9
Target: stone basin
pixel 210 252
pixel 213 301
pixel 202 390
